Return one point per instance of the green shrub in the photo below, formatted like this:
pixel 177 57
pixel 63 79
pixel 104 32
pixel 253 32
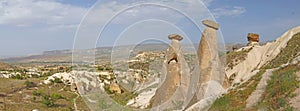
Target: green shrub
pixel 36 93
pixel 49 102
pixel 57 96
pixel 18 76
pixel 29 84
pixel 100 68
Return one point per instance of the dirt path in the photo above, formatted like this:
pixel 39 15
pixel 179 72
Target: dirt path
pixel 255 96
pixel 75 105
pixel 74 100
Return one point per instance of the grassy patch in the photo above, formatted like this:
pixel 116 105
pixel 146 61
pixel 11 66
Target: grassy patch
pixel 42 97
pixel 280 88
pixel 287 54
pixel 233 58
pixel 123 98
pixel 235 100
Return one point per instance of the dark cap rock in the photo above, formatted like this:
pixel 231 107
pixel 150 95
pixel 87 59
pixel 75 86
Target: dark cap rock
pixel 252 37
pixel 175 36
pixel 211 24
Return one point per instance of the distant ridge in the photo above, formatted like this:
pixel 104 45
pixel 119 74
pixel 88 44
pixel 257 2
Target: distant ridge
pixel 4 66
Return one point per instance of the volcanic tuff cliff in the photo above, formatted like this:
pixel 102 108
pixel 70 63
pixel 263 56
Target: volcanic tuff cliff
pixel 266 79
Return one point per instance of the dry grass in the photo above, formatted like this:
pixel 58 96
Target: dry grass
pixel 17 96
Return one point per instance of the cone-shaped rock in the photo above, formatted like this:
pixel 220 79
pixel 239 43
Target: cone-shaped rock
pixel 211 74
pixel 173 72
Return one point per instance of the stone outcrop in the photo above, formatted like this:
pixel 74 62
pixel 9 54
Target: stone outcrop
pixel 253 39
pixel 73 87
pixel 257 57
pixel 115 88
pixel 234 47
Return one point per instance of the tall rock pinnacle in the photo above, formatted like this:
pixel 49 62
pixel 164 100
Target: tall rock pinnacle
pixel 211 76
pixel 173 76
pixel 177 80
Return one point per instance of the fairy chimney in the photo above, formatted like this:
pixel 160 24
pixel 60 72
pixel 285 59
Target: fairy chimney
pixel 209 64
pixel 173 71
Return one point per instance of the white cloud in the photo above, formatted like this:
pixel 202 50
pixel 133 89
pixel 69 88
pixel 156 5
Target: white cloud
pixel 51 12
pixel 192 8
pixel 31 12
pixel 228 11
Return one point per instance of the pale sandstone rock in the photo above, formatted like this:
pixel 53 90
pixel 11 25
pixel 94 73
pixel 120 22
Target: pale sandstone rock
pixel 260 55
pixel 176 84
pixel 173 76
pixel 209 65
pixel 115 88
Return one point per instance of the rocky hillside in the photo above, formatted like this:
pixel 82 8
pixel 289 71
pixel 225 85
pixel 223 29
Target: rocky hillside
pixel 265 77
pixel 4 66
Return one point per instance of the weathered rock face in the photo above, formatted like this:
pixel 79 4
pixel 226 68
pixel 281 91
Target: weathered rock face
pixel 253 39
pixel 115 88
pixel 73 87
pixel 209 62
pixel 211 70
pixel 259 56
pixel 173 76
pixel 234 47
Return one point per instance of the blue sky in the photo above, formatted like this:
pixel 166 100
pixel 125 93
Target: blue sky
pixel 32 26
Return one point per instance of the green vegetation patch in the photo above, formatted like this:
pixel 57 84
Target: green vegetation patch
pixel 235 100
pixel 287 54
pixel 29 94
pixel 124 97
pixel 234 57
pixel 280 88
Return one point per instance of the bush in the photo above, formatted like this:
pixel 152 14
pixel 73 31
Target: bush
pixel 18 76
pixel 57 96
pixel 56 80
pixel 48 101
pixel 36 93
pixel 100 68
pixel 29 84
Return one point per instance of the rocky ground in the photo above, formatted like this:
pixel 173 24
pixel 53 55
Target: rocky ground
pixel 266 78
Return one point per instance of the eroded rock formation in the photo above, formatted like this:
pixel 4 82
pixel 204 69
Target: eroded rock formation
pixel 235 47
pixel 173 76
pixel 212 76
pixel 115 88
pixel 253 39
